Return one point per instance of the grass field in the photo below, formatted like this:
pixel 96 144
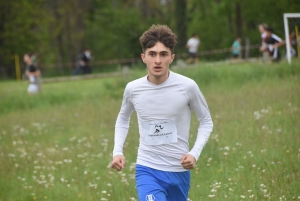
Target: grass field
pixel 57 145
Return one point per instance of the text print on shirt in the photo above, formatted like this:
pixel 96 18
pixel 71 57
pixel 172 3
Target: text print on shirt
pixel 160 132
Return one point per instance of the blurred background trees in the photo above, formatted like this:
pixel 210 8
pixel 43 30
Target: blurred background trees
pixel 58 30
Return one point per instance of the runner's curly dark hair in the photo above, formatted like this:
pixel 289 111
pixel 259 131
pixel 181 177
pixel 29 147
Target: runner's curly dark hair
pixel 158 33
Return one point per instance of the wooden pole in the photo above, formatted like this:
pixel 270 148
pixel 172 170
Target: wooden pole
pixel 247 48
pixel 297 42
pixel 17 64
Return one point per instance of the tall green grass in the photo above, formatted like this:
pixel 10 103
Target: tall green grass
pixel 57 145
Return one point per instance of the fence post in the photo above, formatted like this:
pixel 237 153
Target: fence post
pixel 17 64
pixel 247 48
pixel 297 42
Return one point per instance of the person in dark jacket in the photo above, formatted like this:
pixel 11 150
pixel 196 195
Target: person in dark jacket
pixel 83 63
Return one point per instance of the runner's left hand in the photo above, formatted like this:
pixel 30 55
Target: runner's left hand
pixel 188 161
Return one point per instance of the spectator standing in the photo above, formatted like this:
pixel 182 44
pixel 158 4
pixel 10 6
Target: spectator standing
pixel 263 33
pixel 33 74
pixel 192 45
pixel 236 48
pixel 293 43
pixel 83 62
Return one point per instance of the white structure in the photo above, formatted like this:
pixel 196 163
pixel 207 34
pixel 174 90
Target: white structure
pixel 287 35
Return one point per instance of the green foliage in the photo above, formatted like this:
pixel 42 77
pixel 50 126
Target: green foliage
pixel 58 30
pixel 115 33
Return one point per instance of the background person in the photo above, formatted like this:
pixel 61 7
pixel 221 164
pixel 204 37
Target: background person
pixel 163 101
pixel 293 44
pixel 33 74
pixel 273 43
pixel 192 45
pixel 236 48
pixel 263 48
pixel 83 62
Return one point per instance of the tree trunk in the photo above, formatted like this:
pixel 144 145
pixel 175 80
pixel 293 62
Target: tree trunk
pixel 57 38
pixel 59 53
pixel 180 20
pixel 230 22
pixel 145 8
pixel 238 20
pixel 69 41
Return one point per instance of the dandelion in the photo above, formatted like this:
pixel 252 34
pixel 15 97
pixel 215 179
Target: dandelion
pixel 94 186
pixel 257 115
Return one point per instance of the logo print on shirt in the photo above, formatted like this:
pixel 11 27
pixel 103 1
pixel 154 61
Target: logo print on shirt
pixel 150 197
pixel 158 128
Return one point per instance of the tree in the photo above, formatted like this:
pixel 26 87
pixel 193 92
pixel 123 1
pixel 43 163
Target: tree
pixel 180 21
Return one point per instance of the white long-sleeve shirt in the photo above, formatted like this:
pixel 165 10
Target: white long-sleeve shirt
pixel 164 116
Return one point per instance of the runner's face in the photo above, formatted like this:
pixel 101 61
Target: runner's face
pixel 157 59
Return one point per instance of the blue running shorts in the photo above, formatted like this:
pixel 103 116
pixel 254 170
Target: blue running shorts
pixel 157 185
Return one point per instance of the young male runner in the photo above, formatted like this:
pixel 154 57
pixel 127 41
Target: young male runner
pixel 163 101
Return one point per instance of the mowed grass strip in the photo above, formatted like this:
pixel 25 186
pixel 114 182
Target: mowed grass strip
pixel 57 145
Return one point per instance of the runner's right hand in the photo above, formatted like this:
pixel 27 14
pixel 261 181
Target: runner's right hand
pixel 118 162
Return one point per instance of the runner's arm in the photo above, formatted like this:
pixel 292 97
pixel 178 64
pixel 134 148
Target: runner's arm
pixel 122 123
pixel 279 40
pixel 199 105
